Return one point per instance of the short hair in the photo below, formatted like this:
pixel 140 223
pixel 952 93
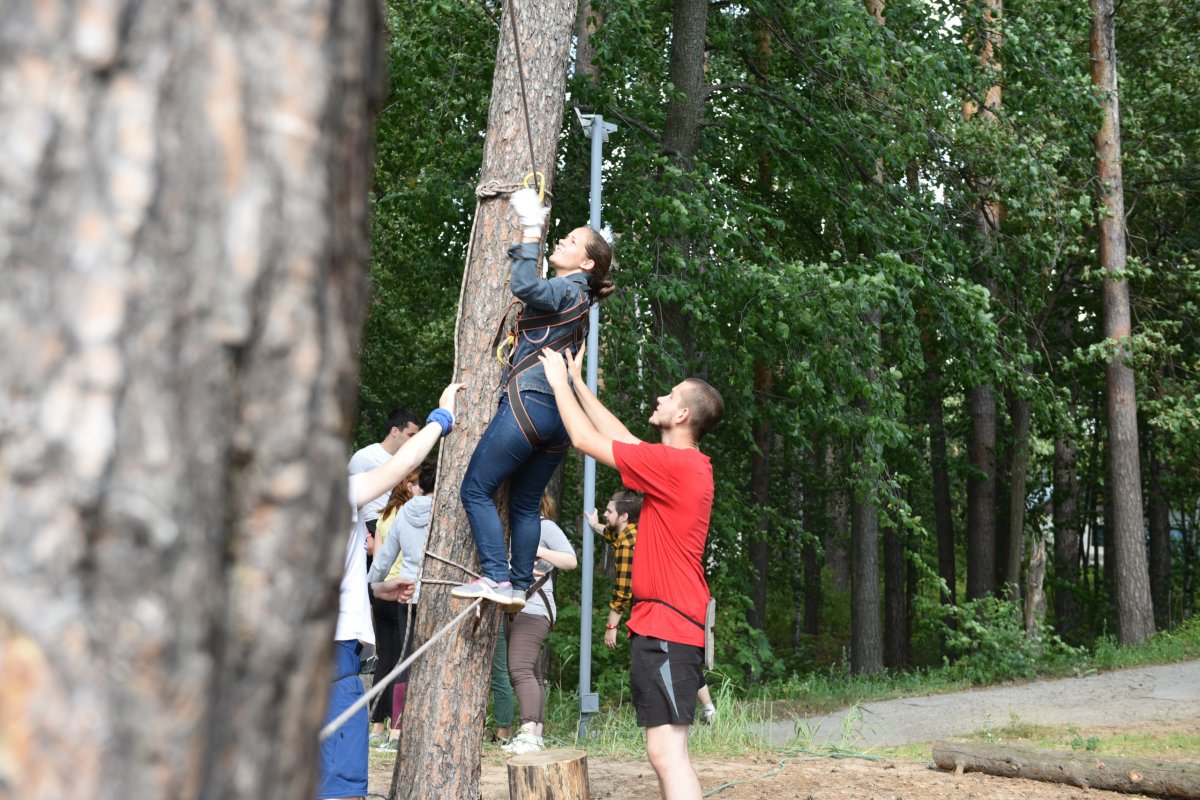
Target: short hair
pixel 705 405
pixel 427 475
pixel 400 418
pixel 629 503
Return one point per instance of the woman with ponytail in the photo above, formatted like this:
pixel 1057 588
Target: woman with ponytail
pixel 526 440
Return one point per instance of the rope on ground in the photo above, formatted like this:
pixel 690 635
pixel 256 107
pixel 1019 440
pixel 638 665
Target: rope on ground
pixel 379 685
pixel 809 755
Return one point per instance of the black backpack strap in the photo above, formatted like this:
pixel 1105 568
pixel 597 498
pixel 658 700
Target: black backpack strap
pixel 690 619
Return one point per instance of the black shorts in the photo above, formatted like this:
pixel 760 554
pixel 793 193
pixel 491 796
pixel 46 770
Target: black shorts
pixel 664 679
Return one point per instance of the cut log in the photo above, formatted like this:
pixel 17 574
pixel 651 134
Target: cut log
pixel 561 774
pixel 1086 770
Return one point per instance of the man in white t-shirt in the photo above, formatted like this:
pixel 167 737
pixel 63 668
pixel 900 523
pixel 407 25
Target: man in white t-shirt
pixel 401 425
pixel 343 756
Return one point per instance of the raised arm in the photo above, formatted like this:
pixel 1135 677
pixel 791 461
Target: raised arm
pixel 583 433
pixel 601 418
pixel 384 478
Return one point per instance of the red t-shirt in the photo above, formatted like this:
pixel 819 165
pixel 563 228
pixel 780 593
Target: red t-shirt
pixel 668 559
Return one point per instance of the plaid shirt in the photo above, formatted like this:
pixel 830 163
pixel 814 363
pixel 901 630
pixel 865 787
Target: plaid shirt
pixel 622 542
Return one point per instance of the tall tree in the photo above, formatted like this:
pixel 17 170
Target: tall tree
pixel 441 737
pixel 1135 613
pixel 981 397
pixel 184 226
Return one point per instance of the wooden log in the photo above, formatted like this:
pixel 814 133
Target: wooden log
pixel 557 774
pixel 1086 770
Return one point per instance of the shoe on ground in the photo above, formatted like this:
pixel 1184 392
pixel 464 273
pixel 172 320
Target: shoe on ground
pixel 708 713
pixel 499 593
pixel 377 739
pixel 524 743
pixel 389 745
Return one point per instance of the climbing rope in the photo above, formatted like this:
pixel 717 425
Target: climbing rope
pixel 512 17
pixel 379 685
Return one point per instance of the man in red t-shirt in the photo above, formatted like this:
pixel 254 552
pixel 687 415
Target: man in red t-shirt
pixel 669 590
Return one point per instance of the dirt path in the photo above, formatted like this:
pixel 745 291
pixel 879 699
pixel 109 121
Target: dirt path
pixel 1165 693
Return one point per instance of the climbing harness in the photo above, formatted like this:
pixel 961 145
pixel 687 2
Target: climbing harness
pixel 574 319
pixel 710 621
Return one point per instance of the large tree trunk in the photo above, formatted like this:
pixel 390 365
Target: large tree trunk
pixel 1160 537
pixel 981 493
pixel 1066 540
pixel 183 229
pixel 895 598
pixel 866 634
pixel 1022 413
pixel 447 702
pixel 1135 614
pixel 981 399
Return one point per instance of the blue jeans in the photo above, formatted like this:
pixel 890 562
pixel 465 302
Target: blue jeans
pixel 503 453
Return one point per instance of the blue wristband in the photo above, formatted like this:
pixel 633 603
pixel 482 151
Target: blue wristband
pixel 442 417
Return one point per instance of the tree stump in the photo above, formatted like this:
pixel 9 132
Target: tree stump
pixel 1086 770
pixel 561 774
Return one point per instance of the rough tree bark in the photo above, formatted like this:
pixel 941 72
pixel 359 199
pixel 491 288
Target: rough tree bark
pixel 1021 409
pixel 866 629
pixel 1135 615
pixel 1160 535
pixel 183 241
pixel 447 701
pixel 1066 540
pixel 981 398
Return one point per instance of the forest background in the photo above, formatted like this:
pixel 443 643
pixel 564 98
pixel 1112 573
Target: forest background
pixel 875 229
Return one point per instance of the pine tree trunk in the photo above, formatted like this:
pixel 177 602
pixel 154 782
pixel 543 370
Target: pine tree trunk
pixel 1066 540
pixel 444 717
pixel 183 240
pixel 866 634
pixel 895 599
pixel 1135 615
pixel 1160 537
pixel 1022 412
pixel 981 493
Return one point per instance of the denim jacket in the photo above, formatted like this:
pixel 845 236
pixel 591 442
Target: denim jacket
pixel 540 296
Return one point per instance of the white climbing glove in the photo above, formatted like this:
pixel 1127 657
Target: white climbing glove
pixel 530 212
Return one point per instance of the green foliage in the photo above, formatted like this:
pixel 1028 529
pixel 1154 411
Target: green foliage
pixel 835 178
pixel 988 643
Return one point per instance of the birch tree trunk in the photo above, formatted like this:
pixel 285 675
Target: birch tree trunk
pixel 183 243
pixel 1135 615
pixel 447 701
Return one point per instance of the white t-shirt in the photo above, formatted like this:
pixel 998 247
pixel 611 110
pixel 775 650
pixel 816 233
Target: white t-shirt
pixel 366 460
pixel 354 604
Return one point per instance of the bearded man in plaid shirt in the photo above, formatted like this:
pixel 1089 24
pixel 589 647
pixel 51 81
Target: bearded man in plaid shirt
pixel 619 530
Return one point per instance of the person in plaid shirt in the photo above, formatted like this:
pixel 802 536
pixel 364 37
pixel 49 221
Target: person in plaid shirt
pixel 619 530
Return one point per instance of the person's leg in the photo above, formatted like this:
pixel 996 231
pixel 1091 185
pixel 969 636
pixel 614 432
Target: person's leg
pixel 529 483
pixel 342 766
pixel 667 749
pixel 503 705
pixel 664 679
pixel 387 649
pixel 500 452
pixel 525 638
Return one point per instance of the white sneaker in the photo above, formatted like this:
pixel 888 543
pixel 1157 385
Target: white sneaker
pixel 524 743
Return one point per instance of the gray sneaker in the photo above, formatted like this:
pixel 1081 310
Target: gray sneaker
pixel 488 589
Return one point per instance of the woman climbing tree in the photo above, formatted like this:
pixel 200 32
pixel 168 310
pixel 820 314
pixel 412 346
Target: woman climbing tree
pixel 526 440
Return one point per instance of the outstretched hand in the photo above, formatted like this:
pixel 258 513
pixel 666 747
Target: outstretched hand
pixel 449 396
pixel 575 364
pixel 398 589
pixel 556 368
